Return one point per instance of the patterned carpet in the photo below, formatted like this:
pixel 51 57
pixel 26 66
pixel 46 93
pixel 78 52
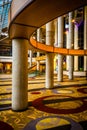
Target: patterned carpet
pixel 5 126
pixel 62 108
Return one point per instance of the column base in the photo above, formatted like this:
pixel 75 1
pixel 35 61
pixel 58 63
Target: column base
pixel 19 110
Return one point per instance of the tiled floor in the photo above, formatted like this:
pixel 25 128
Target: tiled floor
pixel 62 108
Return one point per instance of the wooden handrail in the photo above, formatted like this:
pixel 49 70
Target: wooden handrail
pixel 53 49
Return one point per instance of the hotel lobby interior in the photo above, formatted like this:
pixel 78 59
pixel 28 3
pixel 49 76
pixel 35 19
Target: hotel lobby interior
pixel 43 65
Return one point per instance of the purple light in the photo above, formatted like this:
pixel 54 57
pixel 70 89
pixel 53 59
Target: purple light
pixel 78 24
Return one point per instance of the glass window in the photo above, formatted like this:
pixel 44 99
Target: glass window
pixel 4 9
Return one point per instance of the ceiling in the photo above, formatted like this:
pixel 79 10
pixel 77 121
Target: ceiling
pixel 4 9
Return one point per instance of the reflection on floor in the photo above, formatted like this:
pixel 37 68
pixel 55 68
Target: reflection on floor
pixel 62 108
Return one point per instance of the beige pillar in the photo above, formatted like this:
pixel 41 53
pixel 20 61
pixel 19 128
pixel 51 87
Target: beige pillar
pixel 38 62
pixel 49 70
pixel 67 44
pixel 20 74
pixel 56 44
pixel 76 47
pixel 49 56
pixel 39 35
pixel 56 32
pixel 39 40
pixel 31 53
pixel 85 37
pixel 60 45
pixel 71 45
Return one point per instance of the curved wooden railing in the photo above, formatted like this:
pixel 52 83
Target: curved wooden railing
pixel 53 49
pixel 25 16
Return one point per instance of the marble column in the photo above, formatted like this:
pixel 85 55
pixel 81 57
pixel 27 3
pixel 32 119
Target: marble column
pixel 60 45
pixel 85 37
pixel 38 62
pixel 38 53
pixel 49 56
pixel 56 32
pixel 76 47
pixel 71 45
pixel 31 55
pixel 19 74
pixel 67 43
pixel 56 44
